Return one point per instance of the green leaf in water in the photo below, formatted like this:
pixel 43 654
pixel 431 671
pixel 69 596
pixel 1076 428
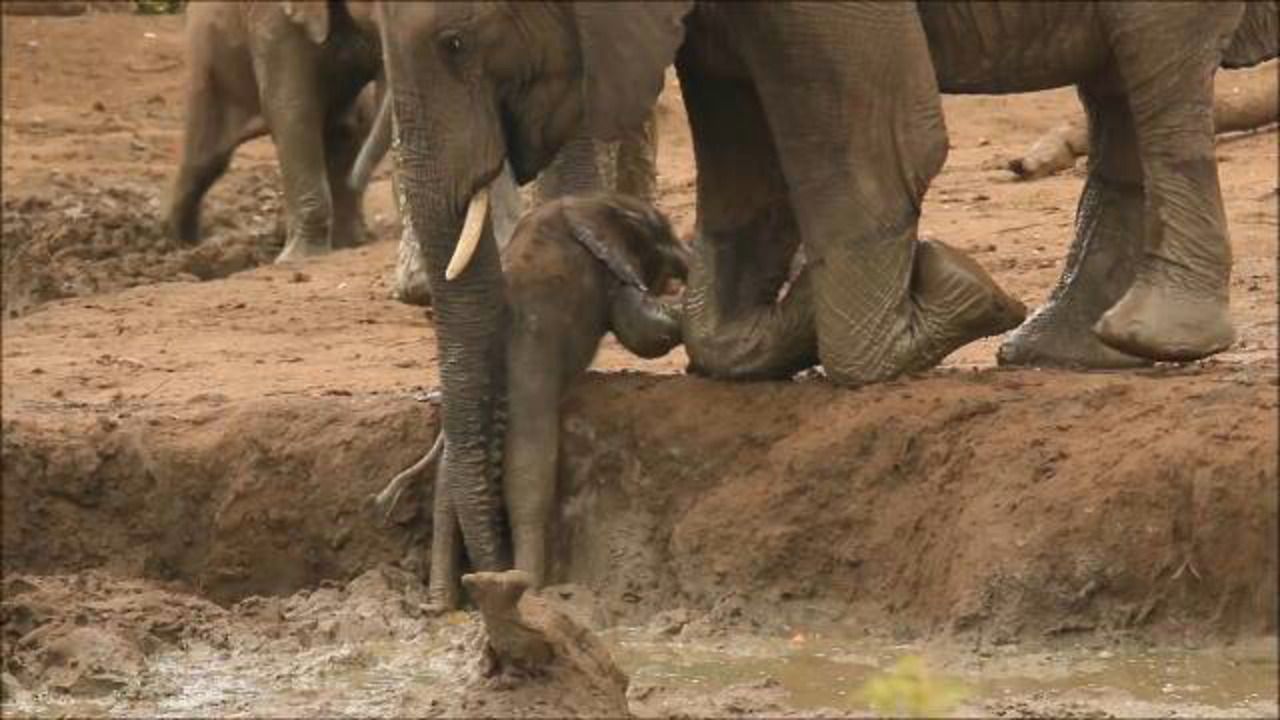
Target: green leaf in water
pixel 908 689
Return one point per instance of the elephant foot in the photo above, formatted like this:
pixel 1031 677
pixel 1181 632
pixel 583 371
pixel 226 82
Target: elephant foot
pixel 1167 323
pixel 353 235
pixel 1052 338
pixel 411 286
pixel 183 226
pixel 299 250
pixel 957 303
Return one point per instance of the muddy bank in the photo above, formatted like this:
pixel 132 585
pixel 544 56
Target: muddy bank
pixel 999 505
pixel 72 236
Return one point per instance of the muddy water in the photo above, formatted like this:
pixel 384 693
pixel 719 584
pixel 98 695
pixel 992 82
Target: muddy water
pixel 817 673
pixel 805 673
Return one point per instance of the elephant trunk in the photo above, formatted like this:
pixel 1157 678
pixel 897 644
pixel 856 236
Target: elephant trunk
pixel 470 316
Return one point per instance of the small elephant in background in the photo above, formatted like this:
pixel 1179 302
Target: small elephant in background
pixel 295 70
pixel 576 269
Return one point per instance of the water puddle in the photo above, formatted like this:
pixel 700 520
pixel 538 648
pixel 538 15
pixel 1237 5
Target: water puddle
pixel 819 672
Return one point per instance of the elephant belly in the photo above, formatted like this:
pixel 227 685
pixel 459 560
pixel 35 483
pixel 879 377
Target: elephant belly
pixel 1012 47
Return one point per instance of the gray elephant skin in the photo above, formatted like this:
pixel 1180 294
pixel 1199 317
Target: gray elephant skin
pixel 817 124
pixel 294 70
pixel 607 257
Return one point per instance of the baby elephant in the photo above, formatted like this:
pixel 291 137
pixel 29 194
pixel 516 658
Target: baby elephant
pixel 577 268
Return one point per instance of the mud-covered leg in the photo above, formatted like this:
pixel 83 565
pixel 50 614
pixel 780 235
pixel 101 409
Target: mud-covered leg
pixel 1103 257
pixel 446 546
pixel 531 450
pixel 1178 306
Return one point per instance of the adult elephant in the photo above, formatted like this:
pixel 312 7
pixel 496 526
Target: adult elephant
pixel 293 69
pixel 797 139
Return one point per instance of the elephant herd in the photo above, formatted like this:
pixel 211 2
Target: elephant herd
pixel 817 127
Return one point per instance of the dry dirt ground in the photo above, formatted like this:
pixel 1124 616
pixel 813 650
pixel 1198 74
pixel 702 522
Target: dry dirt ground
pixel 186 421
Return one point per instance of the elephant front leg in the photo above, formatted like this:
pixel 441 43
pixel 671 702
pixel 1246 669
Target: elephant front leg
pixel 1103 257
pixel 531 450
pixel 858 158
pixel 734 326
pixel 1177 308
pixel 292 102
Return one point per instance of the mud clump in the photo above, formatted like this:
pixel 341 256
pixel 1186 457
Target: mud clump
pixel 89 635
pixel 75 236
pixel 530 658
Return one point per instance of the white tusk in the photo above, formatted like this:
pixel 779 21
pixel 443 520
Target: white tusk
pixel 469 240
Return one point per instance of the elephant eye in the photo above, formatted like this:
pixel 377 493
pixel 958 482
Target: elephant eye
pixel 451 43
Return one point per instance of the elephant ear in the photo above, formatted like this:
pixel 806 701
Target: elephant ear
pixel 607 241
pixel 312 15
pixel 626 48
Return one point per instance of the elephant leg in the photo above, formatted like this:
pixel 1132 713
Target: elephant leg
pixel 857 161
pixel 637 161
pixel 1103 257
pixel 343 140
pixel 446 545
pixel 574 171
pixel 531 450
pixel 1177 308
pixel 734 325
pixel 293 104
pixel 215 127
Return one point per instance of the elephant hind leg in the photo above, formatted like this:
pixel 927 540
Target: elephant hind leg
pixel 1177 308
pixel 215 126
pixel 1103 257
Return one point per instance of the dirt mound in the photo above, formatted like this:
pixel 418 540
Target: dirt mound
pixel 74 236
pixel 1122 502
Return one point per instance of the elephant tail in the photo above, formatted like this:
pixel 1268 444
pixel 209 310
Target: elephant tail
pixel 1257 38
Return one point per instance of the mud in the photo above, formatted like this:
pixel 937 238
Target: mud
pixel 89 645
pixel 186 464
pixel 78 237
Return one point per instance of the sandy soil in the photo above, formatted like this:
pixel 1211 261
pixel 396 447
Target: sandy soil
pixel 190 420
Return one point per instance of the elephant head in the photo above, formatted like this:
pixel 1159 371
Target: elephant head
pixel 474 85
